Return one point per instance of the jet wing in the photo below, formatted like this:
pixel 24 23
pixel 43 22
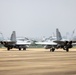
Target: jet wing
pixel 59 42
pixel 7 42
pixel 62 42
pixel 46 43
pixel 23 42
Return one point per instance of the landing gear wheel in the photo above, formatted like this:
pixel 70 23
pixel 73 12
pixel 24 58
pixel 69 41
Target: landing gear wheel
pixel 24 48
pixel 8 48
pixel 67 49
pixel 53 49
pixel 19 49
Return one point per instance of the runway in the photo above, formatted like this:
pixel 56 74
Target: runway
pixel 39 61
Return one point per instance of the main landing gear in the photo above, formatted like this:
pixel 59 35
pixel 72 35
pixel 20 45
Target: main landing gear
pixel 52 49
pixel 23 49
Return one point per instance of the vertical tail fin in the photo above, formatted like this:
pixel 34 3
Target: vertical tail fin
pixel 13 36
pixel 58 34
pixel 72 35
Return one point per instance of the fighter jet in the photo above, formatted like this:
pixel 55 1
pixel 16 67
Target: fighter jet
pixel 49 43
pixel 14 43
pixel 58 42
pixel 64 43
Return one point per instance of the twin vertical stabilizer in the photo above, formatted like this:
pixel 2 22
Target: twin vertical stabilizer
pixel 58 34
pixel 13 36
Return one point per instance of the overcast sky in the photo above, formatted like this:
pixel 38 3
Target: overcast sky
pixel 37 18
